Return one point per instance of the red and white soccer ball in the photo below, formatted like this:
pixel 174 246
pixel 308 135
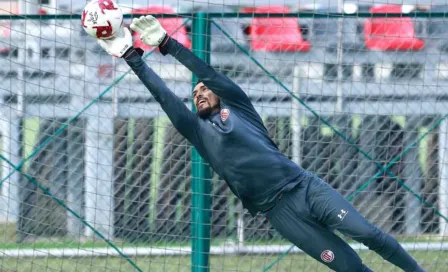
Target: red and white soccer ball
pixel 102 19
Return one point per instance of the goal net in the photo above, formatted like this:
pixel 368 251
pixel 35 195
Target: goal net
pixel 94 176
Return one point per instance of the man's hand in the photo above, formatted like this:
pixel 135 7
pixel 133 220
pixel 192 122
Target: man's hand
pixel 119 44
pixel 150 30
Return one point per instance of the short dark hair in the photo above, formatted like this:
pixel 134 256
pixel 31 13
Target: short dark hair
pixel 198 81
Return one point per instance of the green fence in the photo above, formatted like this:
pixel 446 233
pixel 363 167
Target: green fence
pixel 365 150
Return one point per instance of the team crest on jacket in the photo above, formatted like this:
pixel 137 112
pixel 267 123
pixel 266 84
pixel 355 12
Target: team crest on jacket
pixel 225 114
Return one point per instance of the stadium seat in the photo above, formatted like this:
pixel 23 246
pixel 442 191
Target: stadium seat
pixel 170 25
pixel 385 34
pixel 105 71
pixel 276 34
pixel 248 9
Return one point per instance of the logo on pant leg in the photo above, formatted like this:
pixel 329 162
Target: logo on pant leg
pixel 342 214
pixel 327 256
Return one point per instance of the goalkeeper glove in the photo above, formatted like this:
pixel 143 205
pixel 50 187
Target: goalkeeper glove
pixel 119 44
pixel 151 31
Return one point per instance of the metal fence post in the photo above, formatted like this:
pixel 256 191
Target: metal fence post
pixel 200 172
pixel 99 207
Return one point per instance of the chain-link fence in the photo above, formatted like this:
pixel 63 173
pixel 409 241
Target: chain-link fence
pixel 77 129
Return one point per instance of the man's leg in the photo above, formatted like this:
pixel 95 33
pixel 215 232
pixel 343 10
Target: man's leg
pixel 332 209
pixel 292 220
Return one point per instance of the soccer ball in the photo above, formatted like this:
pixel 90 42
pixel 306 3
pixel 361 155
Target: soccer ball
pixel 102 19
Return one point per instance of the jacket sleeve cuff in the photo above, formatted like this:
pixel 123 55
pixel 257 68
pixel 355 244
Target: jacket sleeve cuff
pixel 165 45
pixel 133 52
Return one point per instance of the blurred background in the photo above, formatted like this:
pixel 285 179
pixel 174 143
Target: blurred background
pixel 87 130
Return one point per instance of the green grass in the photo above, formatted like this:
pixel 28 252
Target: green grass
pixel 8 241
pixel 432 261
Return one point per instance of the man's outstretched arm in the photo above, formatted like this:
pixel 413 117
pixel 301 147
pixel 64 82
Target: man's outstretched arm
pixel 219 83
pixel 185 121
pixel 152 33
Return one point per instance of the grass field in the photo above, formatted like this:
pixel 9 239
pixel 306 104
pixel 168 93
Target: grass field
pixel 432 261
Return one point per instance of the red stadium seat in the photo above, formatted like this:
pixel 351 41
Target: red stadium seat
pixel 276 34
pixel 248 9
pixel 385 34
pixel 105 71
pixel 170 25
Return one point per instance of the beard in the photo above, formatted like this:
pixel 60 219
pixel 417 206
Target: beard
pixel 205 113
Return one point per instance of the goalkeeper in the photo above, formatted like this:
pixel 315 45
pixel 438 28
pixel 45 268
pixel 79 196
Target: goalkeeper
pixel 229 134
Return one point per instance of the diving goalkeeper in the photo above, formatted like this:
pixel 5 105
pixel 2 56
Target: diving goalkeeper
pixel 229 134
